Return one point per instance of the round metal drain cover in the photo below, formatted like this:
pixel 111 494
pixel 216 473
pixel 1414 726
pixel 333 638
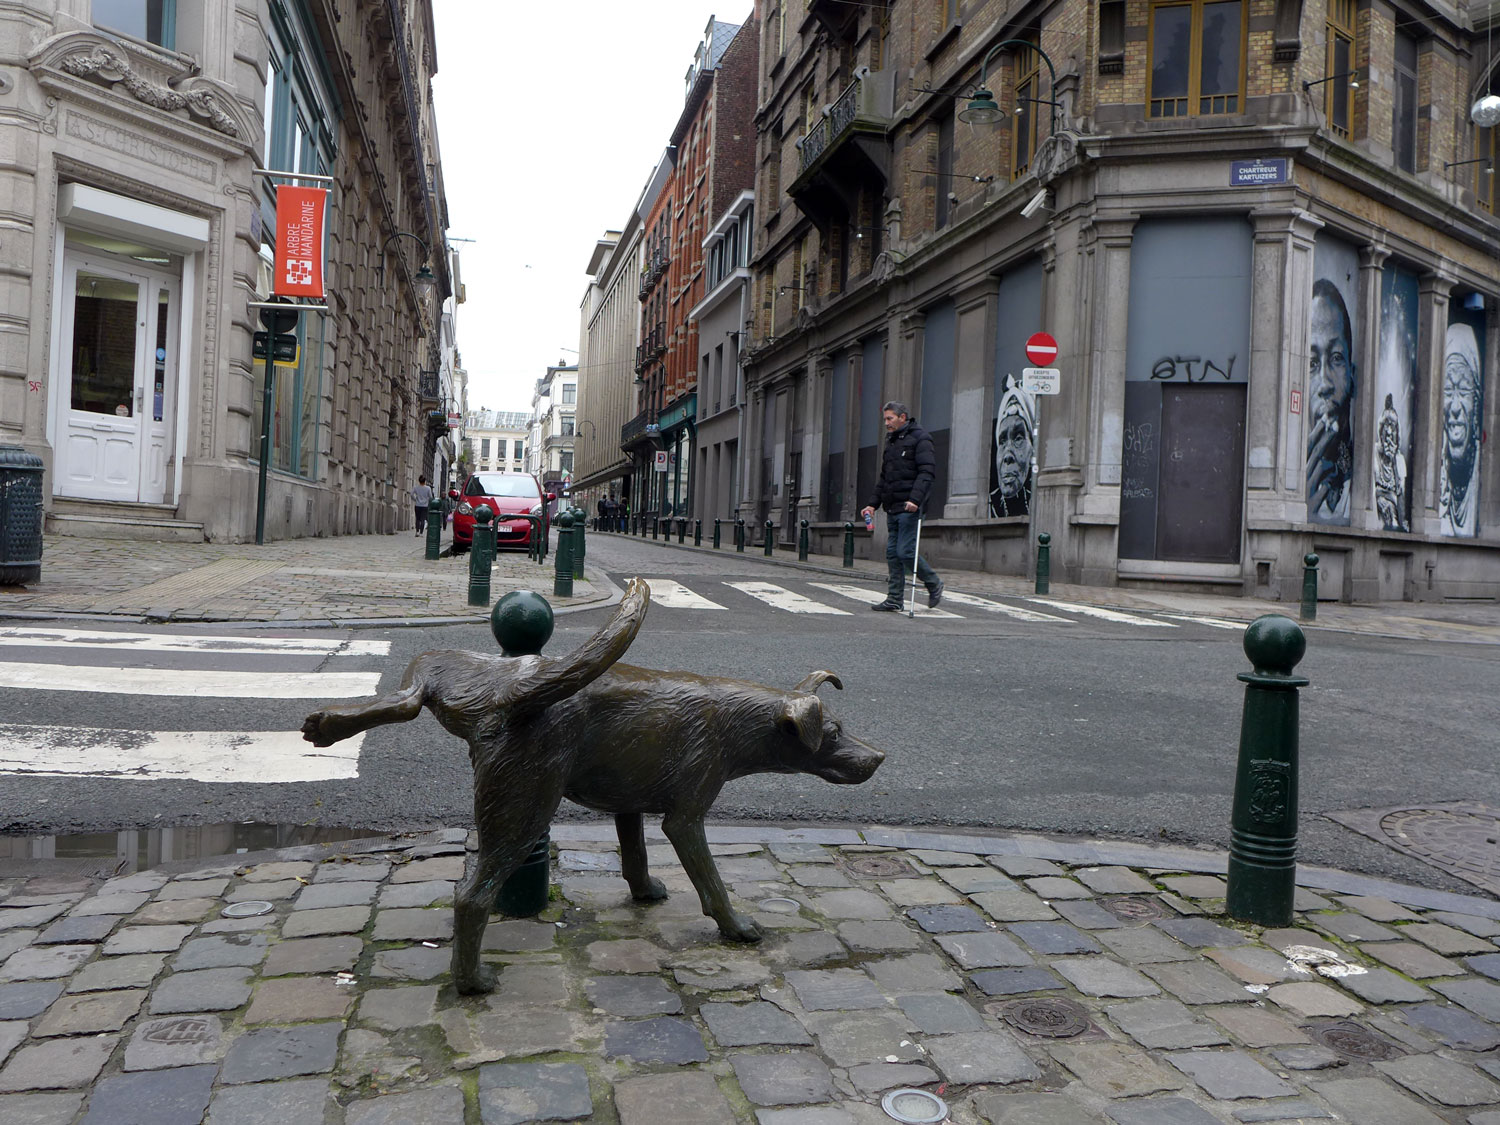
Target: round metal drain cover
pixel 1134 908
pixel 877 866
pixel 914 1107
pixel 247 909
pixel 1049 1016
pixel 779 905
pixel 1355 1041
pixel 1466 843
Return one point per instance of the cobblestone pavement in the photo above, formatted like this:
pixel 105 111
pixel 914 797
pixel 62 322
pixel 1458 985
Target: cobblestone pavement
pixel 1023 981
pixel 342 580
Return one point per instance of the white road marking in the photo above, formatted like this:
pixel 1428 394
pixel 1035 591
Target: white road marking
pixel 1104 614
pixel 781 598
pixel 860 594
pixel 225 757
pixel 1211 622
pixel 1000 607
pixel 674 595
pixel 177 682
pixel 250 645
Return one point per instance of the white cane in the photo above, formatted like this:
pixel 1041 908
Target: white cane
pixel 916 553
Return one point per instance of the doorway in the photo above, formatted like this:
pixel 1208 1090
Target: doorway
pixel 116 371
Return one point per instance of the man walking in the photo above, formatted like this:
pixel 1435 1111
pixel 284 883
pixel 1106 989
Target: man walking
pixel 421 496
pixel 907 471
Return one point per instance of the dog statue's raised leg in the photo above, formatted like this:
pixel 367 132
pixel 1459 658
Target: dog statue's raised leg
pixel 691 844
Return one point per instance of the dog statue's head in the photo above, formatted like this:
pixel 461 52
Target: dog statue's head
pixel 815 742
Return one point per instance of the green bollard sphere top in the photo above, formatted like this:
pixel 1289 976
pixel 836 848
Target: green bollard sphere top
pixel 1274 645
pixel 522 623
pixel 1310 560
pixel 565 521
pixel 1044 538
pixel 483 514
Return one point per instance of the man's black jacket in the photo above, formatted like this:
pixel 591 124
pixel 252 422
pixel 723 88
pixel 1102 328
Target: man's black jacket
pixel 907 469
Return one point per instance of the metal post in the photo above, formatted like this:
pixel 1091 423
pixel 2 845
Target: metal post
pixel 434 528
pixel 681 529
pixel 849 545
pixel 717 540
pixel 1310 587
pixel 697 533
pixel 802 542
pixel 1263 826
pixel 481 556
pixel 265 452
pixel 545 544
pixel 656 527
pixel 1043 563
pixel 580 522
pixel 562 580
pixel 770 544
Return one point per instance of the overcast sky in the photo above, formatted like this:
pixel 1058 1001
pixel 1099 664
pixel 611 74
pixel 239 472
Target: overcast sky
pixel 550 121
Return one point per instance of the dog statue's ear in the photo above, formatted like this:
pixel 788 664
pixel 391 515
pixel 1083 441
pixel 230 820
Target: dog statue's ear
pixel 815 680
pixel 801 716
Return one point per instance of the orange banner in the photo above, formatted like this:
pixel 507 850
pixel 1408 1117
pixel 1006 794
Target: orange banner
pixel 300 214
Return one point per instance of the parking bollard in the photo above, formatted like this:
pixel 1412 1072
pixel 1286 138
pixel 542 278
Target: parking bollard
pixel 849 545
pixel 1263 825
pixel 802 541
pixel 717 540
pixel 481 556
pixel 682 529
pixel 655 526
pixel 1310 587
pixel 580 522
pixel 434 528
pixel 739 535
pixel 770 542
pixel 1043 563
pixel 697 533
pixel 562 579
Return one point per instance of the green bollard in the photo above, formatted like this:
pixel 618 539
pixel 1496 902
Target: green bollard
pixel 717 540
pixel 562 579
pixel 1263 825
pixel 522 623
pixel 849 545
pixel 1310 587
pixel 655 527
pixel 681 529
pixel 580 522
pixel 739 535
pixel 770 543
pixel 697 533
pixel 802 542
pixel 1043 563
pixel 434 529
pixel 481 556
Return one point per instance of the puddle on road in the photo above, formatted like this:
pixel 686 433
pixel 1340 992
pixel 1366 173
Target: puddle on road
pixel 142 849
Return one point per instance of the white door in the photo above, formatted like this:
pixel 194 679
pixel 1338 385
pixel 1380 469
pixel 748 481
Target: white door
pixel 117 369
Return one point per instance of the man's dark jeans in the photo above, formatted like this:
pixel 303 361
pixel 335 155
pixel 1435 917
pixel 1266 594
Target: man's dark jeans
pixel 900 548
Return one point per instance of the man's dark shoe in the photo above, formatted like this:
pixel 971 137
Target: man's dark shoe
pixel 934 596
pixel 887 607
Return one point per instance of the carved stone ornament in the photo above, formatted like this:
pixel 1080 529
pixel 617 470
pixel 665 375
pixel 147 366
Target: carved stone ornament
pixel 1056 154
pixel 170 89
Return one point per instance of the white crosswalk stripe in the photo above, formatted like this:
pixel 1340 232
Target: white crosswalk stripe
pixel 166 665
pixel 860 594
pixel 1002 608
pixel 1211 622
pixel 1104 614
pixel 779 597
pixel 674 595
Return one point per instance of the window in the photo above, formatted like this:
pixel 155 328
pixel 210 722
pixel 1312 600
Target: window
pixel 1197 53
pixel 1023 139
pixel 296 390
pixel 809 108
pixel 520 451
pixel 1404 105
pixel 1340 64
pixel 155 21
pixel 945 170
pixel 773 174
pixel 1484 174
pixel 570 394
pixel 567 425
pixel 565 461
pixel 947 13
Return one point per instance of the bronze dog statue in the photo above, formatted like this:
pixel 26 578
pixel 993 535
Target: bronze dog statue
pixel 611 737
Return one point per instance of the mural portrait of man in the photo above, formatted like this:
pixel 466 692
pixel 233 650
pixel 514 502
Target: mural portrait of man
pixel 1458 504
pixel 1330 394
pixel 1010 471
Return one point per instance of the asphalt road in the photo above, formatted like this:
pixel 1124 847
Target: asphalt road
pixel 1069 724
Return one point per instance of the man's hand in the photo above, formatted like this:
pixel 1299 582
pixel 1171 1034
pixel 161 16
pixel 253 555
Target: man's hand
pixel 910 507
pixel 867 511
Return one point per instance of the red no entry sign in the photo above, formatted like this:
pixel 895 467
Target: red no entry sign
pixel 1041 349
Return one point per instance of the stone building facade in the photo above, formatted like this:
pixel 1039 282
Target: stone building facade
pixel 609 326
pixel 1261 233
pixel 143 226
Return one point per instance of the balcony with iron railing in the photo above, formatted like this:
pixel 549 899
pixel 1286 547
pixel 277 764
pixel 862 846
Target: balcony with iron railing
pixel 846 149
pixel 642 426
pixel 654 270
pixel 429 387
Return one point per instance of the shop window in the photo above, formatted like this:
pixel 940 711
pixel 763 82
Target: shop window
pixel 1340 67
pixel 1023 131
pixel 154 21
pixel 1404 105
pixel 1197 52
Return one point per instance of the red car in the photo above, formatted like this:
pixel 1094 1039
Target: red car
pixel 511 495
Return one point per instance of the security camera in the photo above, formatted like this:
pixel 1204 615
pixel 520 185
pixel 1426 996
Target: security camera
pixel 953 197
pixel 1034 204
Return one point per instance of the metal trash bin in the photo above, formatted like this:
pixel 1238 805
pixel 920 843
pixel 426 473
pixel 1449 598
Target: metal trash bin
pixel 20 516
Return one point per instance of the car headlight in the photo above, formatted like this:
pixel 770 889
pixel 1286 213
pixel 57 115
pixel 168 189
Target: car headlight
pixel 463 509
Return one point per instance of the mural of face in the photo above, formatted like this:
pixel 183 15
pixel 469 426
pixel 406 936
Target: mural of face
pixel 1330 390
pixel 1331 375
pixel 1461 399
pixel 1015 420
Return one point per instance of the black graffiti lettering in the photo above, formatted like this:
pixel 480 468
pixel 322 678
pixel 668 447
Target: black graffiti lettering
pixel 1170 367
pixel 1209 365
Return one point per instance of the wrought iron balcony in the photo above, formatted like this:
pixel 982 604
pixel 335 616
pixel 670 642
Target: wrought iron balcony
pixel 654 269
pixel 429 387
pixel 636 429
pixel 847 150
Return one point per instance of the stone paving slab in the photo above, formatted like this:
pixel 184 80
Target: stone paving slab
pixel 337 1008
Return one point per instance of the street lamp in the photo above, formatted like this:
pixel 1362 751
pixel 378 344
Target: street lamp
pixel 984 110
pixel 426 283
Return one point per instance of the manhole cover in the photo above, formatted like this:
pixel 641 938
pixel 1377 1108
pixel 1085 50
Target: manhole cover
pixel 1355 1041
pixel 1048 1016
pixel 914 1107
pixel 247 909
pixel 877 866
pixel 1462 838
pixel 1134 908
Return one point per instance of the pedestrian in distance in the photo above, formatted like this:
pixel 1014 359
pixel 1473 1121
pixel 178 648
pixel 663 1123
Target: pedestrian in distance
pixel 421 496
pixel 907 471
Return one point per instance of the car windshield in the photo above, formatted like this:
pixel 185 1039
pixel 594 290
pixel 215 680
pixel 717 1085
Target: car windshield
pixel 517 485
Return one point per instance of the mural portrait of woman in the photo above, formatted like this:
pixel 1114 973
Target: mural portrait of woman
pixel 1463 391
pixel 1010 467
